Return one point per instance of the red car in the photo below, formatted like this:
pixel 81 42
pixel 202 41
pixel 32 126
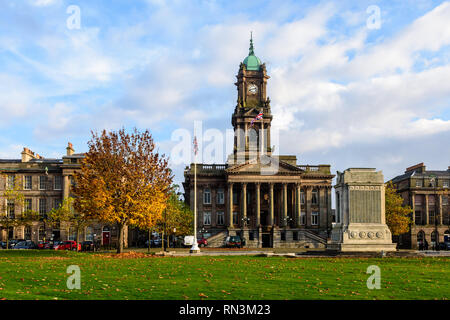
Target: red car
pixel 202 242
pixel 67 245
pixel 42 245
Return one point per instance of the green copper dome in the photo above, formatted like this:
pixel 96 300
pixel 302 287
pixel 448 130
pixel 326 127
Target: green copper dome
pixel 252 62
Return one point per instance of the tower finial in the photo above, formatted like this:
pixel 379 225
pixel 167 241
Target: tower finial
pixel 251 52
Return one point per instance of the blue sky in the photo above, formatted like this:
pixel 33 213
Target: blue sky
pixel 342 93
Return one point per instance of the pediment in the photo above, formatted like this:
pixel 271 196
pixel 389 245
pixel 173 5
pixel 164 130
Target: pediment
pixel 268 166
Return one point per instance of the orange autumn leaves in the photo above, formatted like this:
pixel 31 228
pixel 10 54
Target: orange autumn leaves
pixel 397 215
pixel 123 180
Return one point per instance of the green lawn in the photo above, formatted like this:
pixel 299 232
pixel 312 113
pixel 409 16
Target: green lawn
pixel 42 275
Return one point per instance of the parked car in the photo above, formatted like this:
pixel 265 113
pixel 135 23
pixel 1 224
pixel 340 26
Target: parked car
pixel 51 244
pixel 233 242
pixel 188 241
pixel 27 244
pixel 13 242
pixel 87 246
pixel 154 243
pixel 67 245
pixel 202 242
pixel 42 244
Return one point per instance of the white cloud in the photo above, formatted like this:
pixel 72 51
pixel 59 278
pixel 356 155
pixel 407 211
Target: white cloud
pixel 44 3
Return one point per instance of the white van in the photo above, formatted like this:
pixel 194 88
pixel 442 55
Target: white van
pixel 188 241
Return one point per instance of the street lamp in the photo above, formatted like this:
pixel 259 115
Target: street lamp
pixel 245 221
pixel 287 220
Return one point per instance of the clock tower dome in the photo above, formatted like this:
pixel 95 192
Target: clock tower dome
pixel 252 133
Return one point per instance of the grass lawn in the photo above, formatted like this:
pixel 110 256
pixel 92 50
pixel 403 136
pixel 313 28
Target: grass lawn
pixel 30 274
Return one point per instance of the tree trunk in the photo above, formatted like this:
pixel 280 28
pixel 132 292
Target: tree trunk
pixel 168 242
pixel 120 238
pixel 7 239
pixel 149 239
pixel 162 241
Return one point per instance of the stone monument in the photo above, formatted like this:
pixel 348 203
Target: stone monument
pixel 360 213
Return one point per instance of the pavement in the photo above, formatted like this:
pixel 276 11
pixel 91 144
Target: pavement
pixel 308 254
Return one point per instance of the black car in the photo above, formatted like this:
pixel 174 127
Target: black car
pixel 13 242
pixel 444 246
pixel 87 246
pixel 28 244
pixel 154 243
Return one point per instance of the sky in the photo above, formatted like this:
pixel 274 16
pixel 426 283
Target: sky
pixel 349 87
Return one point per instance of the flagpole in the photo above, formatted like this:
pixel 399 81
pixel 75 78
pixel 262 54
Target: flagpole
pixel 195 248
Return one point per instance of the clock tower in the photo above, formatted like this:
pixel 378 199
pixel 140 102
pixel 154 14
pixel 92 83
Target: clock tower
pixel 252 133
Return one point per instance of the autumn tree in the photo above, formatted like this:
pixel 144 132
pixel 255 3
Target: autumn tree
pixel 13 198
pixel 65 215
pixel 397 215
pixel 177 219
pixel 122 180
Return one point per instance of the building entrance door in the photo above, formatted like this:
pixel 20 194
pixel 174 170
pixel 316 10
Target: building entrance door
pixel 266 240
pixel 263 217
pixel 106 237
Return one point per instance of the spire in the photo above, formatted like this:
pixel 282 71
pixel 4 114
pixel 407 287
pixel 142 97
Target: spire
pixel 251 52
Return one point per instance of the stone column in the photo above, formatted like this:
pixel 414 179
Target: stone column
pixel 66 186
pixel 308 206
pixel 284 217
pixel 271 205
pixel 413 206
pixel 298 205
pixel 258 204
pixel 230 205
pixel 427 216
pixel 441 214
pixel 244 203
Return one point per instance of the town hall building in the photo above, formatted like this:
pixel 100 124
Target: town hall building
pixel 269 200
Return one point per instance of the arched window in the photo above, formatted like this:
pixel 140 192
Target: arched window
pixel 434 236
pixel 447 236
pixel 420 236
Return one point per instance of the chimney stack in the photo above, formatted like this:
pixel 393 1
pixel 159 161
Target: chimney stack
pixel 419 168
pixel 69 149
pixel 27 155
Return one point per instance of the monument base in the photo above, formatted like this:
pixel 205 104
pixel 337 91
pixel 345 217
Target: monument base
pixel 361 237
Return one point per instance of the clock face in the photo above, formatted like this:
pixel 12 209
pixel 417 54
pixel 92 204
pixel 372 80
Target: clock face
pixel 252 88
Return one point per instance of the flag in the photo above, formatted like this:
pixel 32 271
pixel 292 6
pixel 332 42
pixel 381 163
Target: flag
pixel 195 145
pixel 258 117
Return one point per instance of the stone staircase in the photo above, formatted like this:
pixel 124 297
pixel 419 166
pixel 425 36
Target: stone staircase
pixel 217 240
pixel 311 239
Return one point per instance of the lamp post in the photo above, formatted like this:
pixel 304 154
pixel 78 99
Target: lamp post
pixel 245 221
pixel 195 248
pixel 286 220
